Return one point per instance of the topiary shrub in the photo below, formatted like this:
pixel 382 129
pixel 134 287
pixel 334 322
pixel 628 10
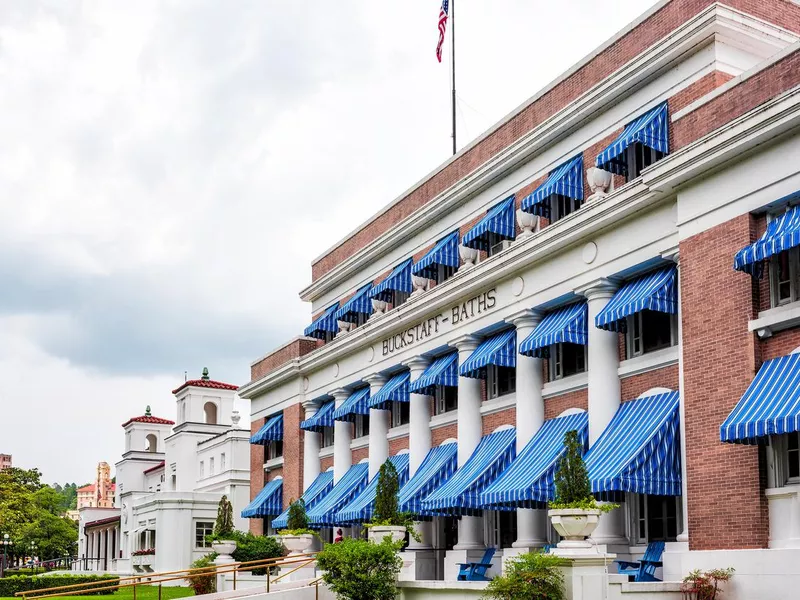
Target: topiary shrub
pixel 251 547
pixel 223 528
pixel 9 586
pixel 360 570
pixel 573 489
pixel 385 512
pixel 297 521
pixel 531 576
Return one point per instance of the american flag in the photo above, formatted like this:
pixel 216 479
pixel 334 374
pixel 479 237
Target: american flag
pixel 442 27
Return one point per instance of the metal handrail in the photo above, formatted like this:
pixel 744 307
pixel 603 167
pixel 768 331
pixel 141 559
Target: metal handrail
pixel 159 578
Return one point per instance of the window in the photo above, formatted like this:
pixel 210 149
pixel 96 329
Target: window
pixel 398 298
pixel 656 518
pixel 201 530
pixel 649 331
pixel 784 277
pixel 640 157
pixel 273 450
pixel 327 437
pixel 400 413
pixel 501 528
pixel 202 469
pixel 362 425
pixel 567 359
pixel 444 272
pixel 174 482
pixel 500 381
pixel 222 461
pixel 561 206
pixel 446 399
pixel 786 459
pixel 793 455
pixel 211 466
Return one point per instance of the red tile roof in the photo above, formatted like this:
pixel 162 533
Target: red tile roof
pixel 148 419
pixel 157 467
pixel 102 522
pixel 206 383
pixel 91 488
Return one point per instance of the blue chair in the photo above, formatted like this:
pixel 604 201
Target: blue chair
pixel 645 569
pixel 476 571
pixel 546 548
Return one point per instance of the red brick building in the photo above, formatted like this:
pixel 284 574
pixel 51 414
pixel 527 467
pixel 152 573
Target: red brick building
pixel 636 179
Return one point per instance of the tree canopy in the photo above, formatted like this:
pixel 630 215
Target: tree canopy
pixel 31 511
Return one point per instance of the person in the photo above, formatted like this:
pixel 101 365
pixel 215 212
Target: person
pixel 339 537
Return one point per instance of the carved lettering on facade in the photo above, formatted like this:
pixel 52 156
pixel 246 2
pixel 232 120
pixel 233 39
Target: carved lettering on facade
pixel 465 311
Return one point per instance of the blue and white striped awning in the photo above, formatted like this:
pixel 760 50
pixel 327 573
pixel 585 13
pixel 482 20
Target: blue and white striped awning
pixel 640 450
pixel 655 291
pixel 529 481
pixel 565 180
pixel 356 404
pixel 394 390
pixel 461 494
pixel 268 502
pixel 442 371
pixel 360 509
pixel 399 279
pixel 651 130
pixel 272 431
pixel 323 514
pixel 769 406
pixel 568 324
pixel 359 304
pixel 445 252
pixel 436 468
pixel 322 418
pixel 782 234
pixel 499 221
pixel 499 350
pixel 318 489
pixel 324 323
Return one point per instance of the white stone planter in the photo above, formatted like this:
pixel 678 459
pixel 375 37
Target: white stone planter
pixel 528 222
pixel 599 181
pixel 297 544
pixel 224 547
pixel 574 525
pixel 378 533
pixel 420 285
pixel 469 257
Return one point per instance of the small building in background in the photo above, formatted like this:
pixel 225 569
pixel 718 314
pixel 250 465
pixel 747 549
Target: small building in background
pixel 5 462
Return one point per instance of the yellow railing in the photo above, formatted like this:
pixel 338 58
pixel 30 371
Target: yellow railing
pixel 301 560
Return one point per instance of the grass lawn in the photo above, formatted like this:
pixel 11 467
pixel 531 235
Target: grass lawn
pixel 143 592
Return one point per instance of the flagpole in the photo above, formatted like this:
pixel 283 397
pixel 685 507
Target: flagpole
pixel 453 67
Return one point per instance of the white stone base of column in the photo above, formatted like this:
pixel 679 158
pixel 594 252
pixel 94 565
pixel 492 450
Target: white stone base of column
pixel 470 534
pixel 453 559
pixel 423 528
pixel 586 578
pixel 418 565
pixel 611 529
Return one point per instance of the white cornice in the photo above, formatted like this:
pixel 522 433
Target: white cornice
pixel 689 36
pixel 655 186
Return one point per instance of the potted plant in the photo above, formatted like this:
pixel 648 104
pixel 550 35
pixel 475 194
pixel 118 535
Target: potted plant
pixel 574 513
pixel 297 537
pixel 223 542
pixel 705 586
pixel 386 520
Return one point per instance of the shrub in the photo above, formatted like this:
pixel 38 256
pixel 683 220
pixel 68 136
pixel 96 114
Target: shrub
pixel 297 515
pixel 573 489
pixel 531 576
pixel 705 586
pixel 251 547
pixel 200 583
pixel 360 570
pixel 9 586
pixel 223 528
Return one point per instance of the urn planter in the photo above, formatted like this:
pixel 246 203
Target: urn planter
pixel 469 257
pixel 574 525
pixel 297 544
pixel 224 547
pixel 378 532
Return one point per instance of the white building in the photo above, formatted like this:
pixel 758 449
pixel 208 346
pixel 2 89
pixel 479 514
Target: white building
pixel 171 478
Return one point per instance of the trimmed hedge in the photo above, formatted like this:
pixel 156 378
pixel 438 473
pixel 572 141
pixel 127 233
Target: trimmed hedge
pixel 24 583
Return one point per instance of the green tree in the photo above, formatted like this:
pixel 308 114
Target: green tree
pixel 571 479
pixel 298 519
pixel 386 494
pixel 223 528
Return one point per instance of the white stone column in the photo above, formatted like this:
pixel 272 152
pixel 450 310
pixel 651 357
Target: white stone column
pixel 378 428
pixel 605 394
pixel 311 445
pixel 342 434
pixel 419 440
pixel 531 523
pixel 470 428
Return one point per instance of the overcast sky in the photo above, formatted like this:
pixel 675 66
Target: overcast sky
pixel 170 169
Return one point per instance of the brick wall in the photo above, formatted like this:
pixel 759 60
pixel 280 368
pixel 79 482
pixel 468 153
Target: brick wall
pixel 636 385
pixel 256 474
pixel 274 474
pixel 441 434
pixel 633 43
pixel 292 454
pixel 719 356
pixel 359 455
pixel 557 404
pixel 398 444
pixel 780 344
pixel 492 421
pixel 294 349
pixel 325 463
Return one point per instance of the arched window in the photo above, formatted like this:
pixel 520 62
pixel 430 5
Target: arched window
pixel 210 410
pixel 152 442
